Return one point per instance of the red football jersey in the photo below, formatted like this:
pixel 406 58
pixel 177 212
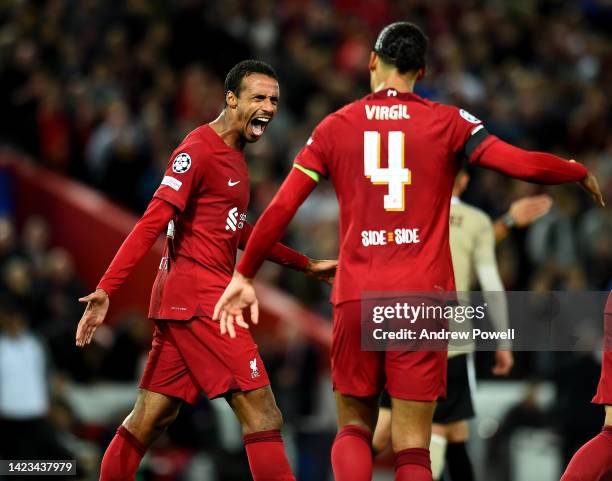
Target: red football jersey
pixel 392 158
pixel 207 181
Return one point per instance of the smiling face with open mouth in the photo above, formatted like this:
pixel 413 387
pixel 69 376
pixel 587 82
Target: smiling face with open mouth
pixel 256 105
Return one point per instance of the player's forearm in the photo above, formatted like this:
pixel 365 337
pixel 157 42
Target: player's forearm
pixel 137 244
pixel 273 222
pixel 536 167
pixel 280 253
pixel 495 297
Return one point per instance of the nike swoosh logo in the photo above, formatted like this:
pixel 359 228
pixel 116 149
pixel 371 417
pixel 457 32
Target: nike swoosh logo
pixel 232 184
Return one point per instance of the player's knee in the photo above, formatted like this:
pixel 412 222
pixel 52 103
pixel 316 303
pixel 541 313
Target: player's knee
pixel 266 419
pixel 410 437
pixel 146 424
pixel 165 419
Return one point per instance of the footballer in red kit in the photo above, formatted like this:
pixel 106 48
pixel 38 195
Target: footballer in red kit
pixel 392 157
pixel 593 461
pixel 201 204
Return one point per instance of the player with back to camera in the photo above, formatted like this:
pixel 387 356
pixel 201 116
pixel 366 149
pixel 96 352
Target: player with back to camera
pixel 472 242
pixel 392 157
pixel 202 200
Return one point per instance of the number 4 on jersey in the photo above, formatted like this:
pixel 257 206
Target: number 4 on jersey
pixel 395 175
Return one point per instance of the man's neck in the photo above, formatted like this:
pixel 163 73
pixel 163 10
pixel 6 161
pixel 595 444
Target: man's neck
pixel 397 82
pixel 227 130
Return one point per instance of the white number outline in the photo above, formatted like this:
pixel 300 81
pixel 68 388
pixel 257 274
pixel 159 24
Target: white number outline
pixel 396 175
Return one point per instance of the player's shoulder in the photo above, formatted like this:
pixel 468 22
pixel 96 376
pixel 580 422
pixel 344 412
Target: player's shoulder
pixel 334 118
pixel 477 216
pixel 454 113
pixel 199 138
pixel 191 151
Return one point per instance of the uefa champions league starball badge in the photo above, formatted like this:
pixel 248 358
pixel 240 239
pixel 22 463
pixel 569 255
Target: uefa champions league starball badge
pixel 181 163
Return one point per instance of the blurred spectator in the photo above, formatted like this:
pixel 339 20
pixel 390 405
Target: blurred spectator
pixel 25 379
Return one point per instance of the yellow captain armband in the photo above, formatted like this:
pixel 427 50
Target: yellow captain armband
pixel 310 173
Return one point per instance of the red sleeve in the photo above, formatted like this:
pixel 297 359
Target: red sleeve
pixel 183 175
pixel 137 244
pixel 315 154
pixel 536 167
pixel 280 253
pixel 273 222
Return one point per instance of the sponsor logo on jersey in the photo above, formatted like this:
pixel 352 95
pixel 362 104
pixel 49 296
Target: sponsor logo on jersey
pixel 468 116
pixel 384 112
pixel 172 182
pixel 254 369
pixel 181 163
pixel 383 237
pixel 232 184
pixel 234 220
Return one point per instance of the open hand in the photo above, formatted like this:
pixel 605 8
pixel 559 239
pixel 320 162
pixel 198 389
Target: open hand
pixel 527 210
pixel 322 270
pixel 238 295
pixel 95 312
pixel 590 185
pixel 504 360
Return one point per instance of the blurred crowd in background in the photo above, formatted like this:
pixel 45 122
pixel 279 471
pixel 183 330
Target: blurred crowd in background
pixel 102 91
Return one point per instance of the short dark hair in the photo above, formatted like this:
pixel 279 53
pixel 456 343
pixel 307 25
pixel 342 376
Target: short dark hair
pixel 233 80
pixel 403 45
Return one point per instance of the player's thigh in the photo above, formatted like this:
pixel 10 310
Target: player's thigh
pixel 608 421
pixel 439 429
pixel 256 410
pixel 458 432
pixel 458 404
pixel 359 411
pixel 152 413
pixel 355 372
pixel 411 423
pixel 219 364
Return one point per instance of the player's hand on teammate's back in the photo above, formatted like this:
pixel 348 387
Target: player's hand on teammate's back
pixel 95 312
pixel 323 270
pixel 504 360
pixel 590 185
pixel 527 210
pixel 238 295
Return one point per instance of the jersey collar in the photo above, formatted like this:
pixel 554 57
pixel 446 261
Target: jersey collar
pixel 392 93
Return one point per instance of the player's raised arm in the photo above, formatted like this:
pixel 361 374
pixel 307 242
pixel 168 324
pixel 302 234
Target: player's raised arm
pixel 269 229
pixel 537 167
pixel 134 247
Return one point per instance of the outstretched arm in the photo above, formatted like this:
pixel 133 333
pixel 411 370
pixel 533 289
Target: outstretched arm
pixel 240 293
pixel 536 167
pixel 134 247
pixel 323 270
pixel 271 226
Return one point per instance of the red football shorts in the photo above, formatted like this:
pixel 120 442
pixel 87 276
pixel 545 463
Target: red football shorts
pixel 409 375
pixel 187 358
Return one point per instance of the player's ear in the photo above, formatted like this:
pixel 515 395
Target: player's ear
pixel 231 99
pixel 373 61
pixel 420 73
